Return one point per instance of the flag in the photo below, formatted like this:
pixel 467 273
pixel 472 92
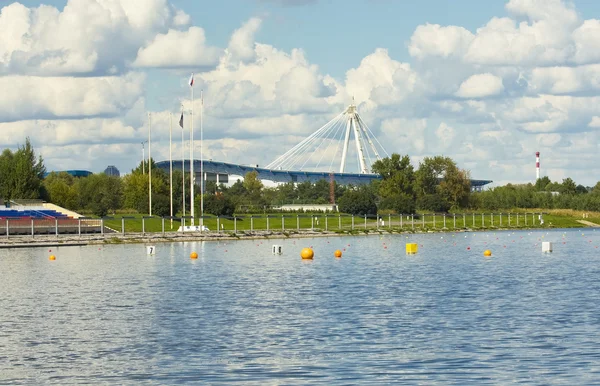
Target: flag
pixel 181 120
pixel 191 82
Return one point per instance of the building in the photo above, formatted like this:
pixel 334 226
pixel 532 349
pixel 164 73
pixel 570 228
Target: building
pixel 112 171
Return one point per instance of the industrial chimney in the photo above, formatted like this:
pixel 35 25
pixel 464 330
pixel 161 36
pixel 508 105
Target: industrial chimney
pixel 537 165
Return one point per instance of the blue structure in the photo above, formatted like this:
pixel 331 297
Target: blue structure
pixel 217 169
pixel 112 171
pixel 74 173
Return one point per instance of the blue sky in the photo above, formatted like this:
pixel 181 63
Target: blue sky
pixel 487 83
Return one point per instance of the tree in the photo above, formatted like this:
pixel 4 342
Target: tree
pixel 439 178
pixel 398 176
pixel 359 201
pixel 401 203
pixel 218 204
pixel 21 173
pixel 61 190
pixel 541 183
pixel 569 186
pixel 100 193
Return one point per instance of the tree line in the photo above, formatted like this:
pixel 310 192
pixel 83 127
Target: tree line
pixel 436 185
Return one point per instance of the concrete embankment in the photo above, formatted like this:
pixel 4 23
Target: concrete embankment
pixel 117 238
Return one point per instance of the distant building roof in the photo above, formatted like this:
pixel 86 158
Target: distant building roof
pixel 112 171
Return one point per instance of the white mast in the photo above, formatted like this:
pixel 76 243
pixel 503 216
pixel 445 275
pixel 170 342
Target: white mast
pixel 201 163
pixel 171 165
pixel 182 170
pixel 349 110
pixel 149 165
pixel 359 147
pixel 192 152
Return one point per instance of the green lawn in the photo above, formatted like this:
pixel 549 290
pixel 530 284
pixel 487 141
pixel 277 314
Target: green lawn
pixel 295 222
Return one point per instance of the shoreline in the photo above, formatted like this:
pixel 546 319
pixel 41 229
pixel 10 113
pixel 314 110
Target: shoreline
pixel 146 238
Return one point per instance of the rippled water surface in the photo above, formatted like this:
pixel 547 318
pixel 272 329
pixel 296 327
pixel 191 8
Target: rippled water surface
pixel 447 315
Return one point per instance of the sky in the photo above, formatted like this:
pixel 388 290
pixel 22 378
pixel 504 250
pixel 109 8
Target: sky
pixel 487 83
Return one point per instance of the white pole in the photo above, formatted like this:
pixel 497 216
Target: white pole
pixel 183 171
pixel 192 154
pixel 149 165
pixel 143 159
pixel 359 146
pixel 171 165
pixel 201 162
pixel 345 150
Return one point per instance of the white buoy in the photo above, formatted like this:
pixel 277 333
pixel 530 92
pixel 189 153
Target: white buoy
pixel 150 249
pixel 546 246
pixel 277 249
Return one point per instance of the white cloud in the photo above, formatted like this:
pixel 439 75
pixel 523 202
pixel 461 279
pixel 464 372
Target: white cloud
pixel 53 97
pixel 178 49
pixel 480 86
pixel 87 36
pixel 241 46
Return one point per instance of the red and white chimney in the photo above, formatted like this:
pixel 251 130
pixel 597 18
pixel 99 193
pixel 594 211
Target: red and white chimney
pixel 537 165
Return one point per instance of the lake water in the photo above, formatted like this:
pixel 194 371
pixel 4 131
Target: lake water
pixel 239 314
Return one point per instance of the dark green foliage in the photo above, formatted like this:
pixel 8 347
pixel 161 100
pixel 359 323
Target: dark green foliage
pixel 359 202
pixel 218 205
pixel 400 203
pixel 433 203
pixel 21 173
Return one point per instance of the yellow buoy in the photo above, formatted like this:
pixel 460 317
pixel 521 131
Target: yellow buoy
pixel 52 257
pixel 487 252
pixel 337 253
pixel 307 253
pixel 193 255
pixel 412 248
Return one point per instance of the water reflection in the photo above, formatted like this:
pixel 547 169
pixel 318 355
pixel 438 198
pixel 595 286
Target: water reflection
pixel 113 314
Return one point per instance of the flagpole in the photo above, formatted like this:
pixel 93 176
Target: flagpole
pixel 149 165
pixel 192 152
pixel 171 165
pixel 183 170
pixel 201 162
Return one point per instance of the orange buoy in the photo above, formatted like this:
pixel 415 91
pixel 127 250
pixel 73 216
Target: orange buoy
pixel 307 254
pixel 193 255
pixel 487 252
pixel 52 257
pixel 337 253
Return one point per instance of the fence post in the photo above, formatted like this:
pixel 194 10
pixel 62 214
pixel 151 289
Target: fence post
pixel 102 226
pixel 56 226
pixel 390 221
pixel 413 220
pixel 492 217
pixel 509 220
pixel 465 220
pixel 444 220
pixel 340 221
pixel 218 225
pixel 312 222
pixel 267 223
pixel 377 219
pixel 365 221
pixel 326 223
pixel 352 222
pixel 434 221
pixel 32 227
pixel 401 219
pixel 473 219
pixel 482 221
pixel 143 225
pixel 282 223
pixel 454 218
pixel 423 220
pixel 7 232
pixel 163 225
pixel 251 223
pixel 123 225
pixel 79 227
pixel 298 222
pixel 235 225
